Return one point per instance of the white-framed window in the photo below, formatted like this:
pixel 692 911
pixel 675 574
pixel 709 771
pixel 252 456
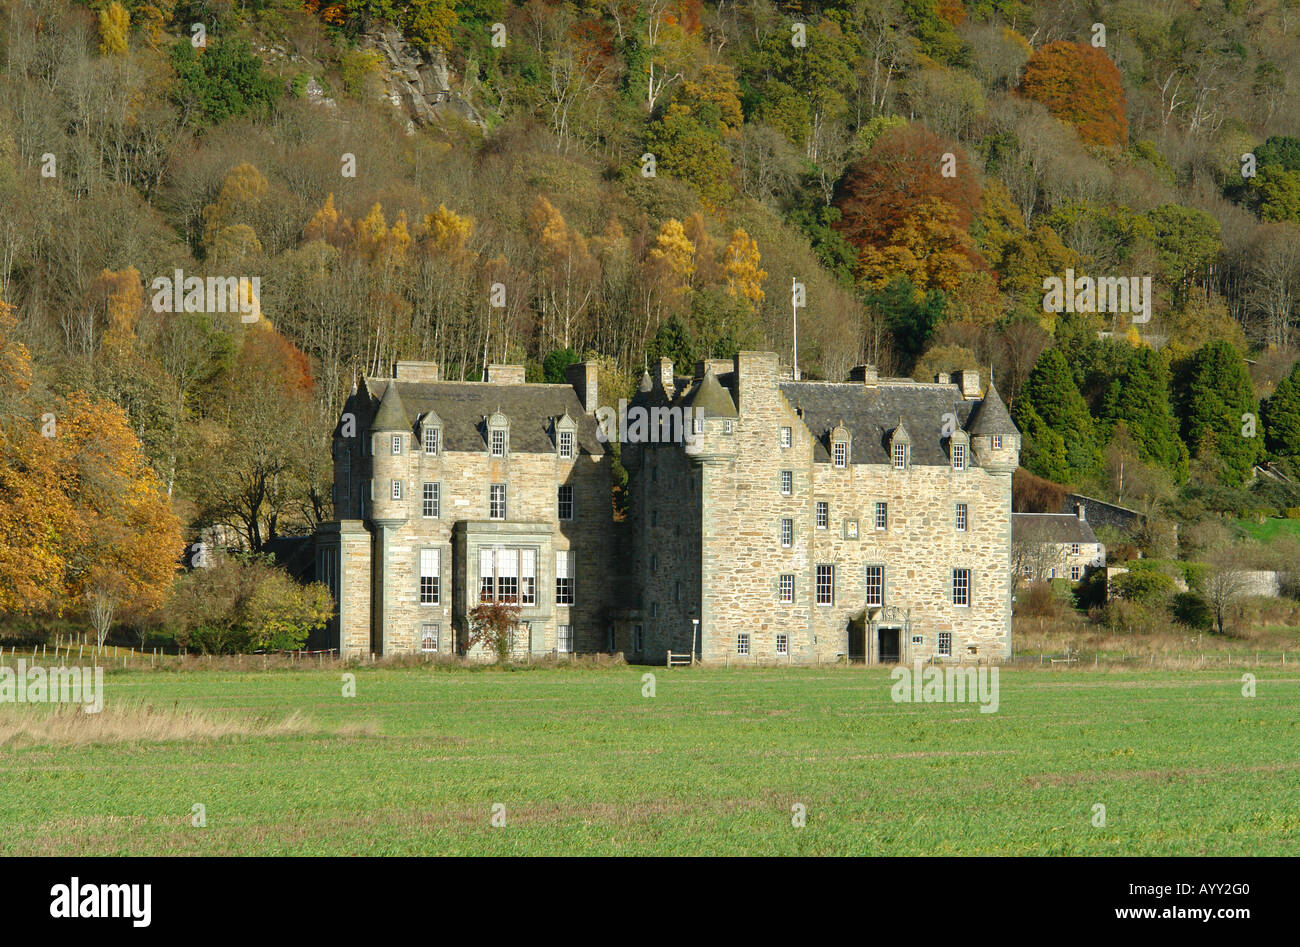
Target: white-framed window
pixel 961 587
pixel 958 456
pixel 528 577
pixel 498 441
pixel 742 642
pixel 497 501
pixel 918 639
pixel 787 482
pixel 566 445
pixel 728 427
pixel 564 639
pixel 566 501
pixel 1074 549
pixel 961 517
pixel 787 437
pixel 428 638
pixel 823 514
pixel 882 515
pixel 997 442
pixel 430 576
pixel 397 443
pixel 782 643
pixel 487 575
pixel 397 489
pixel 786 589
pixel 875 585
pixel 565 567
pixel 825 585
pixel 787 533
pixel 900 456
pixel 840 453
pixel 430 440
pixel 697 425
pixel 1074 573
pixel 431 501
pixel 945 643
pixel 508 576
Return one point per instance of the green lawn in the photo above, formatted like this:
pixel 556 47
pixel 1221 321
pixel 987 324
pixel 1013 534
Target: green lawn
pixel 712 764
pixel 1271 529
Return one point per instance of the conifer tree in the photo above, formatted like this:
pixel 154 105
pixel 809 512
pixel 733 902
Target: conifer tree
pixel 1220 413
pixel 1142 403
pixel 1051 399
pixel 1281 416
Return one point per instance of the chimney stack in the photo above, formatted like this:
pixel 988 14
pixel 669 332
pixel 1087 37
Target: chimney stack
pixel 970 383
pixel 505 374
pixel 1080 512
pixel 582 376
pixel 416 371
pixel 943 378
pixel 666 376
pixel 866 374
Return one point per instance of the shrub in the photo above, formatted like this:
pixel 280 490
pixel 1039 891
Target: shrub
pixel 1190 609
pixel 1145 586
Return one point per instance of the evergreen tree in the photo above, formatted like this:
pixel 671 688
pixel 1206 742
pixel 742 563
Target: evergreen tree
pixel 1051 399
pixel 1142 404
pixel 1281 416
pixel 1219 411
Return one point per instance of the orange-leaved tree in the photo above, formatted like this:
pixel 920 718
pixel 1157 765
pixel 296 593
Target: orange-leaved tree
pixel 1080 86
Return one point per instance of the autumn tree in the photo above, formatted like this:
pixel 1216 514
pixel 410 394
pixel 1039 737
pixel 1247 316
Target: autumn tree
pixel 1080 85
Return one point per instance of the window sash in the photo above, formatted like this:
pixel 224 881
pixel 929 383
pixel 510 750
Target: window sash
pixel 786 589
pixel 823 514
pixel 787 482
pixel 782 644
pixel 958 456
pixel 787 436
pixel 565 566
pixel 882 515
pixel 566 444
pixel 742 642
pixel 565 501
pixel 431 502
pixel 397 490
pixel 428 638
pixel 430 440
pixel 430 576
pixel 397 443
pixel 961 517
pixel 564 639
pixel 497 502
pixel 875 585
pixel 900 456
pixel 945 643
pixel 825 585
pixel 841 453
pixel 787 533
pixel 961 587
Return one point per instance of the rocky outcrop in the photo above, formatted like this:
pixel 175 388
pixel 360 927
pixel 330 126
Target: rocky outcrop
pixel 418 84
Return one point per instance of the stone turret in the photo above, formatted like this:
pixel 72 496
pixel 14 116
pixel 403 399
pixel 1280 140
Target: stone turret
pixel 994 436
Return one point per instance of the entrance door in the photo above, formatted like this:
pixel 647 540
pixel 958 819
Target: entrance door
pixel 857 643
pixel 889 645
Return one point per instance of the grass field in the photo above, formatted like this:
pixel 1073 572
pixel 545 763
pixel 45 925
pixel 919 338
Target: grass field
pixel 584 764
pixel 1271 529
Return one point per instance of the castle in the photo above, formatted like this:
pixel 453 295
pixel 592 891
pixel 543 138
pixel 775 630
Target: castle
pixel 780 521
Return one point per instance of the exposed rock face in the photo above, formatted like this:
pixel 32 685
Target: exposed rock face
pixel 418 84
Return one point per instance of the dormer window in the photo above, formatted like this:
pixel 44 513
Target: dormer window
pixel 900 456
pixel 958 456
pixel 498 435
pixel 397 443
pixel 566 437
pixel 840 447
pixel 430 431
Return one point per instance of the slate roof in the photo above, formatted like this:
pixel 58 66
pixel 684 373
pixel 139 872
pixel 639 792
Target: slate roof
pixel 462 406
pixel 871 413
pixel 709 399
pixel 1050 528
pixel 990 416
